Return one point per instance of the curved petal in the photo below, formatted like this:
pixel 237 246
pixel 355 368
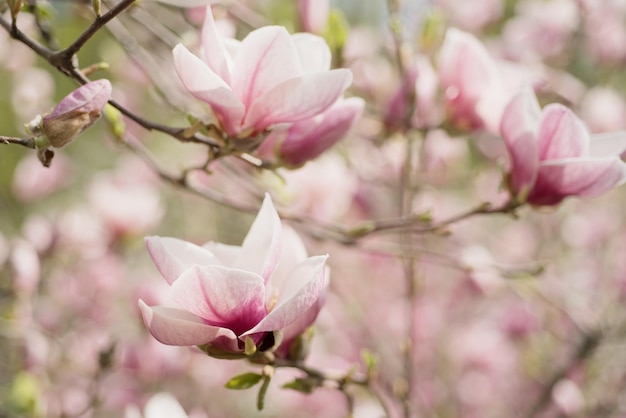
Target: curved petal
pixel 465 64
pixel 261 248
pixel 576 177
pixel 177 327
pixel 200 80
pixel 222 297
pixel 309 138
pixel 87 98
pixel 561 134
pixel 313 51
pixel 518 128
pixel 293 253
pixel 227 254
pixel 214 51
pixel 302 290
pixel 173 256
pixel 298 98
pixel 304 321
pixel 266 58
pixel 607 144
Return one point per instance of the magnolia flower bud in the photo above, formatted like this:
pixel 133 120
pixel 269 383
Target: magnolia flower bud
pixel 75 113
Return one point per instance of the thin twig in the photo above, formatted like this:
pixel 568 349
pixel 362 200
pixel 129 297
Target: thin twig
pixel 25 142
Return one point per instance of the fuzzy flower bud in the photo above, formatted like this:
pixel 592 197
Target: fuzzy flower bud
pixel 75 113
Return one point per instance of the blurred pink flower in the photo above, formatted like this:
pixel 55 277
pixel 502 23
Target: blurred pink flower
pixel 472 15
pixel 421 83
pixel 160 405
pixel 270 77
pixel 476 87
pixel 125 204
pixel 540 29
pixel 603 109
pixel 553 155
pixel 32 181
pixel 309 138
pixel 220 294
pixel 314 15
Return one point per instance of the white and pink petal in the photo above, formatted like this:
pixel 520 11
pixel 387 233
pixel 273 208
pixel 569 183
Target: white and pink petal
pixel 261 247
pixel 561 134
pixel 518 128
pixel 303 289
pixel 266 58
pixel 173 256
pixel 298 98
pixel 213 49
pixel 173 326
pixel 228 298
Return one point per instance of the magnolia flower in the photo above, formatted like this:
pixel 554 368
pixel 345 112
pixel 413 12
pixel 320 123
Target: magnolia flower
pixel 553 155
pixel 476 86
pixel 221 294
pixel 270 77
pixel 309 138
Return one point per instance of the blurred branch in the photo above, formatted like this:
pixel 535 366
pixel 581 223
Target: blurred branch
pixel 584 350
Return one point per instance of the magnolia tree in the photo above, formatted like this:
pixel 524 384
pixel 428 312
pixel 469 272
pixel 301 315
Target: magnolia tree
pixel 312 209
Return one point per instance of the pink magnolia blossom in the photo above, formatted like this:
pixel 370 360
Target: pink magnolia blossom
pixel 270 77
pixel 220 294
pixel 476 86
pixel 309 138
pixel 553 155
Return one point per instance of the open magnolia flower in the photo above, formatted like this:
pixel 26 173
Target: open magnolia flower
pixel 268 78
pixel 553 156
pixel 220 294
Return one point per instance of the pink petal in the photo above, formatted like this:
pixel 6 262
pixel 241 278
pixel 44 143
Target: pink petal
pixel 222 297
pixel 309 138
pixel 177 327
pixel 87 98
pixel 561 134
pixel 227 254
pixel 298 98
pixel 205 85
pixel 465 65
pixel 313 52
pixel 173 256
pixel 293 253
pixel 302 290
pixel 262 246
pixel 576 177
pixel 215 54
pixel 607 144
pixel 518 128
pixel 266 58
pixel 304 321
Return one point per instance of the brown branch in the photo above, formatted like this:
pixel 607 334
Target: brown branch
pixel 25 142
pixel 63 59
